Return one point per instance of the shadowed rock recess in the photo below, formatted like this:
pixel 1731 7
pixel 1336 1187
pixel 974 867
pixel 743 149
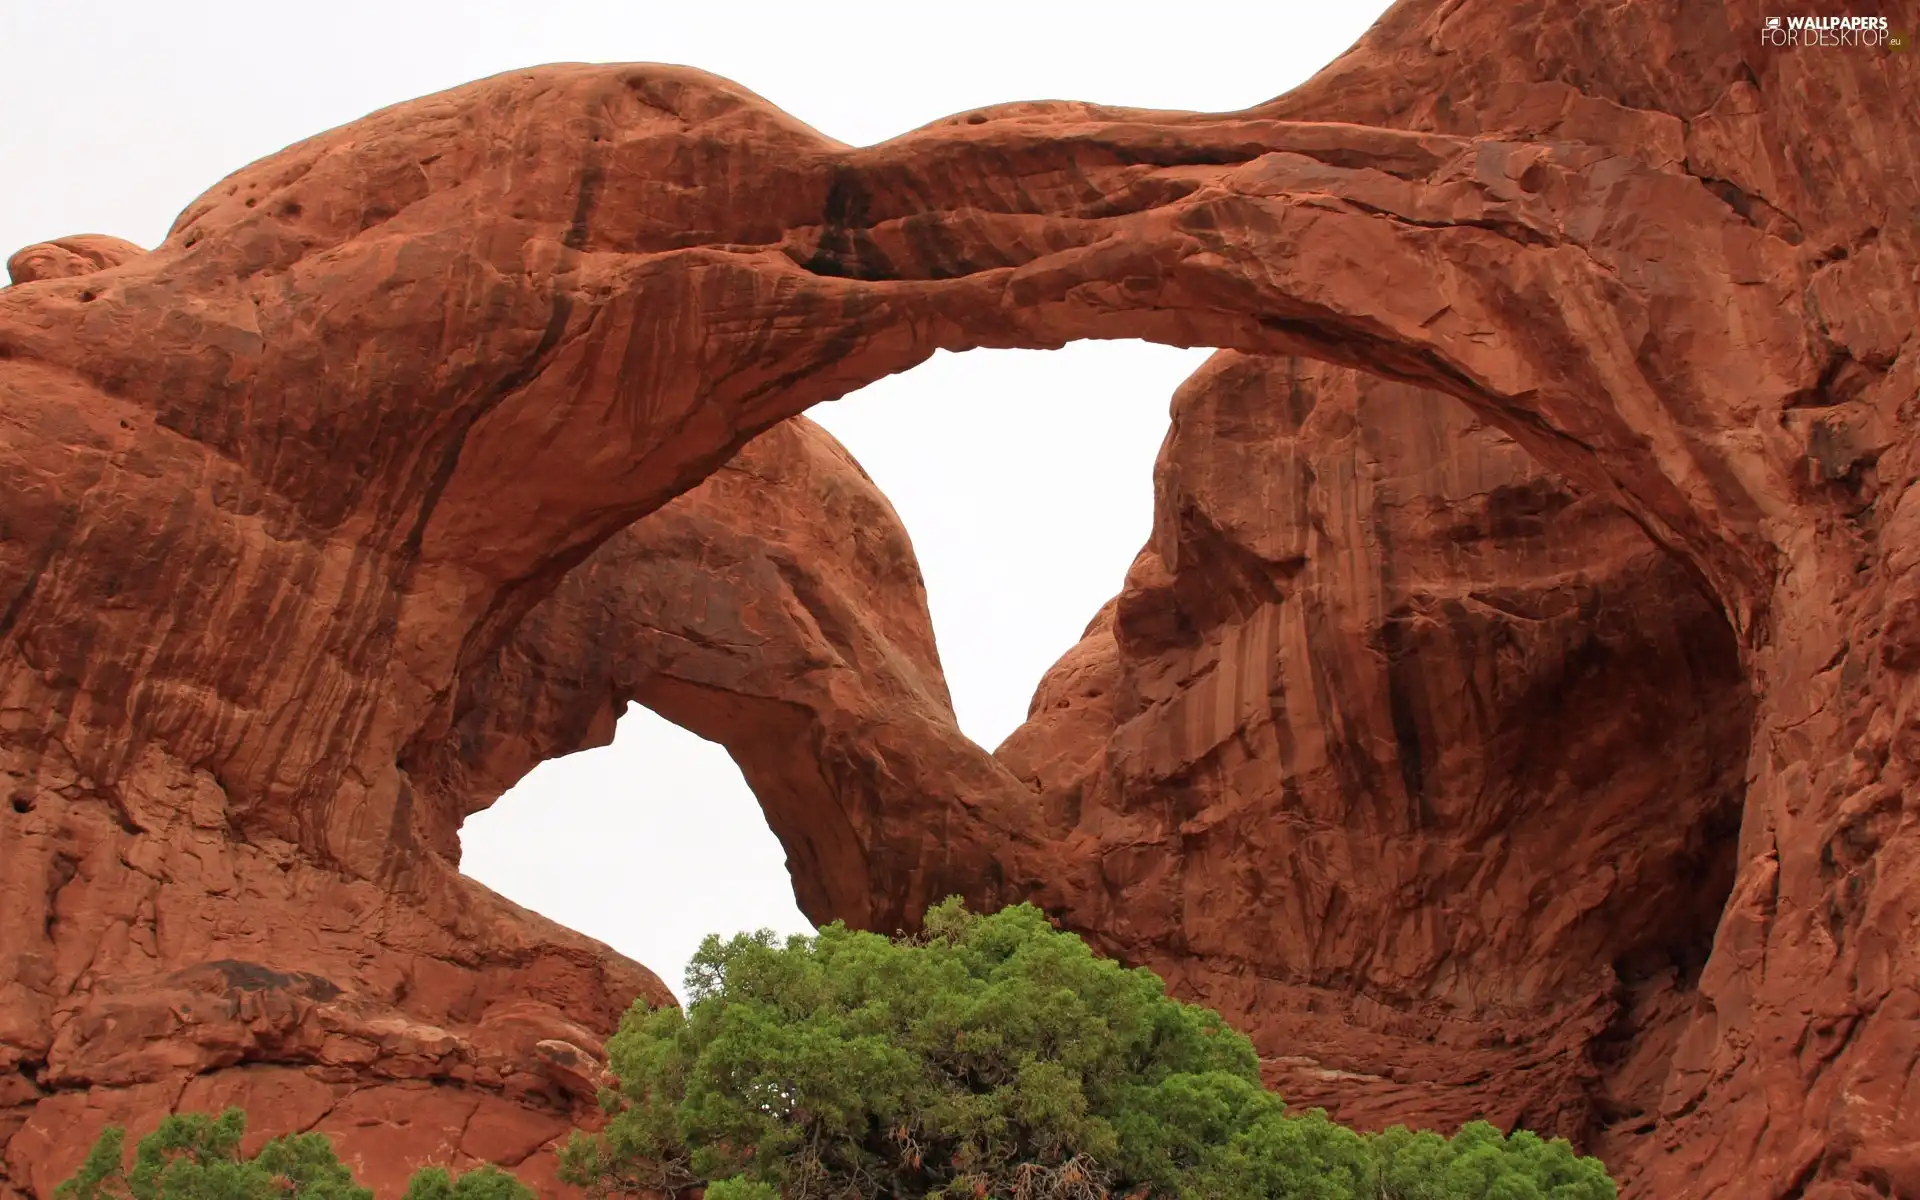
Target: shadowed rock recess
pixel 1516 711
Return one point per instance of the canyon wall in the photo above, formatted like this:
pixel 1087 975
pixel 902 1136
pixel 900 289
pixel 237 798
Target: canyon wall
pixel 286 496
pixel 1423 765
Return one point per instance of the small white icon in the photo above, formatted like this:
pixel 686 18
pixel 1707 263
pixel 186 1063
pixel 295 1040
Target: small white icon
pixel 1773 22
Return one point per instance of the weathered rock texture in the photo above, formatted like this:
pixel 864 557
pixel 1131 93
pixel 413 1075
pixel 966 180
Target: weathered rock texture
pixel 1423 766
pixel 776 609
pixel 65 257
pixel 280 494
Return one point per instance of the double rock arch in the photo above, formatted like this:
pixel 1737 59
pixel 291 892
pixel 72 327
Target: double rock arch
pixel 377 395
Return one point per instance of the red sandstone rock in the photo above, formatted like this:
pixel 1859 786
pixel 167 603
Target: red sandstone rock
pixel 751 611
pixel 1422 766
pixel 66 257
pixel 280 493
pixel 776 609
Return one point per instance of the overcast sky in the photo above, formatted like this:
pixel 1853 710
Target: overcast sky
pixel 1023 476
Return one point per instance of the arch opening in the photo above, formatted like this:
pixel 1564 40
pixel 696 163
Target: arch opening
pixel 648 844
pixel 987 418
pixel 1392 742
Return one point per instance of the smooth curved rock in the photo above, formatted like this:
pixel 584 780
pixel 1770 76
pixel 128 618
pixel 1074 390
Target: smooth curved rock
pixel 776 609
pixel 276 491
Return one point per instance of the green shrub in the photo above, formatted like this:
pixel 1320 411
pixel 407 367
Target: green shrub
pixel 193 1156
pixel 482 1183
pixel 992 1057
pixel 1480 1164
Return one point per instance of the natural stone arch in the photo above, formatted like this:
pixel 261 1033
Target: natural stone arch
pixel 435 297
pixel 1373 668
pixel 777 609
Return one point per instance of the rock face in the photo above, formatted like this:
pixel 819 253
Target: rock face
pixel 776 607
pixel 1423 766
pixel 282 495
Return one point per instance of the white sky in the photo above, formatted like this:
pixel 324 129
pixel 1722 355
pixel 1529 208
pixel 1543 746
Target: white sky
pixel 1023 476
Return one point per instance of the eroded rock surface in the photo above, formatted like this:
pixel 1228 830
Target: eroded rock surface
pixel 776 609
pixel 63 258
pixel 1423 765
pixel 279 493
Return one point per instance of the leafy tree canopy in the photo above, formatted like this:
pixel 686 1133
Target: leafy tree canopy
pixel 193 1156
pixel 992 1057
pixel 482 1183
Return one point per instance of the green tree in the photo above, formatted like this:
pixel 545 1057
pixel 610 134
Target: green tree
pixel 1479 1163
pixel 193 1156
pixel 482 1183
pixel 992 1057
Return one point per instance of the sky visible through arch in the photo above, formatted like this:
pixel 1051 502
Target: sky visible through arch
pixel 1023 476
